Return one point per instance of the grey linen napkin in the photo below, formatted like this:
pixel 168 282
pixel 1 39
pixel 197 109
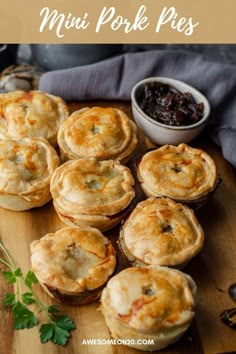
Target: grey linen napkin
pixel 113 79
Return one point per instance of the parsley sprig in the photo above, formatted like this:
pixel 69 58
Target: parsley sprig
pixel 58 327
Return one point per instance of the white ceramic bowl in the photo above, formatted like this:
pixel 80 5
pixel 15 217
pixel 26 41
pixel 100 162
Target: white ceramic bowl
pixel 160 133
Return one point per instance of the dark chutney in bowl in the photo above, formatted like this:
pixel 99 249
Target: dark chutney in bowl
pixel 165 104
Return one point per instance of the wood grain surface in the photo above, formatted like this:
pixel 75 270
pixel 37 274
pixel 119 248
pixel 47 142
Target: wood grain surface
pixel 214 269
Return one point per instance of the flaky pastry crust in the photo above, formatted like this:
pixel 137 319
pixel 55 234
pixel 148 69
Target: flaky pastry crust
pixel 73 263
pixel 178 172
pixel 31 114
pixel 91 192
pixel 162 232
pixel 102 133
pixel 26 167
pixel 149 303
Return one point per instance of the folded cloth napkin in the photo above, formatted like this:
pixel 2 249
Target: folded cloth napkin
pixel 113 79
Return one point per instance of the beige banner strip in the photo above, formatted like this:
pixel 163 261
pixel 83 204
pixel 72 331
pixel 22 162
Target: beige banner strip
pixel 117 21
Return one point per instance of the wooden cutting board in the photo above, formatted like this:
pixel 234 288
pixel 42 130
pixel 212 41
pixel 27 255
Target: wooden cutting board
pixel 214 269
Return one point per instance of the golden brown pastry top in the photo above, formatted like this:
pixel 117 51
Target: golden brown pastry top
pixel 26 165
pixel 150 298
pixel 178 172
pixel 161 231
pixel 33 113
pixel 102 133
pixel 73 260
pixel 88 186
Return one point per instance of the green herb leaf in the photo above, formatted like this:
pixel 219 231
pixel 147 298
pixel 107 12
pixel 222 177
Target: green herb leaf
pixel 65 323
pixel 46 332
pixel 60 336
pixel 18 272
pixel 9 276
pixel 30 279
pixel 53 309
pixel 23 317
pixel 57 332
pixel 57 335
pixel 27 298
pixel 9 299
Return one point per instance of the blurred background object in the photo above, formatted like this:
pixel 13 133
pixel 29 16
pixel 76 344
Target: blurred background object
pixel 8 55
pixel 63 56
pixel 88 53
pixel 20 77
pixel 31 60
pixel 223 53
